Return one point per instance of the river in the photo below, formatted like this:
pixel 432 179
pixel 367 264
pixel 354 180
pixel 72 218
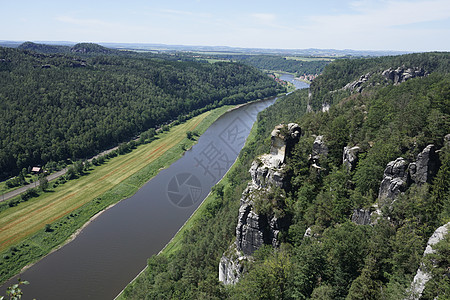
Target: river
pixel 114 247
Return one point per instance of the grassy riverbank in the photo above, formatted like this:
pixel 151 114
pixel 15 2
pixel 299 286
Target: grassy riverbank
pixel 24 234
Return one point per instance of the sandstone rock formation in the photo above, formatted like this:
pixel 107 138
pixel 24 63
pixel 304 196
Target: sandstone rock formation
pixel 398 174
pixel 395 179
pixel 422 276
pixel 319 149
pixel 401 74
pixel 397 76
pixel 231 266
pixel 356 86
pixel 254 230
pixel 426 165
pixel 350 157
pixel 362 216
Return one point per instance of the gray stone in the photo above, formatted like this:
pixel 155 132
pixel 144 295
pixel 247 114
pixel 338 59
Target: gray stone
pixel 308 233
pixel 423 276
pixel 254 230
pixel 357 85
pixel 282 139
pixel 267 172
pixel 447 140
pixel 395 179
pixel 401 74
pixel 350 157
pixel 249 230
pixel 425 167
pixel 267 169
pixel 319 148
pixel 231 266
pixel 362 216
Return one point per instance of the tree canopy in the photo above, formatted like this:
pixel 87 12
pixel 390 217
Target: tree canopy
pixel 62 106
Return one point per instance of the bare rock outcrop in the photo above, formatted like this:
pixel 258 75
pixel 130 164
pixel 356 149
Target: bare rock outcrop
pixel 362 216
pixel 423 276
pixel 398 174
pixel 253 229
pixel 426 165
pixel 350 157
pixel 357 85
pixel 401 74
pixel 395 179
pixel 397 76
pixel 231 266
pixel 267 172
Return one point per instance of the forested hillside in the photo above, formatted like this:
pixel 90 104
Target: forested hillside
pixel 325 251
pixel 59 106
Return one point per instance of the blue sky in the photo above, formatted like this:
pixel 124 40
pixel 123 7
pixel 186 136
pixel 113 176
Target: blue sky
pixel 406 25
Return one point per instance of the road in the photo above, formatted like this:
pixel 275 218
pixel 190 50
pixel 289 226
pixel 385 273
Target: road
pixel 22 189
pixel 50 177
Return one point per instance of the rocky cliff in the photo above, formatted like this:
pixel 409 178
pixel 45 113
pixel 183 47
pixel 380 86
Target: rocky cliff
pixel 423 276
pixel 395 76
pixel 397 178
pixel 256 228
pixel 401 74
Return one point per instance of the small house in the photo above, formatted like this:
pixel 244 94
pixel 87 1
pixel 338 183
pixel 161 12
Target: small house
pixel 36 170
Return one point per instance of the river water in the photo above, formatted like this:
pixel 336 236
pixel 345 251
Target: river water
pixel 114 247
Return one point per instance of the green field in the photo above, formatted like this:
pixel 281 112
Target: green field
pixel 23 239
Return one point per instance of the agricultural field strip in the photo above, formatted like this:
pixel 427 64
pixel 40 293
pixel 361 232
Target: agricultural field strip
pixel 19 222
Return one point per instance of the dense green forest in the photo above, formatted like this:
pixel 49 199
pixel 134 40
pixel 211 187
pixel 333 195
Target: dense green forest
pixel 56 106
pixel 341 260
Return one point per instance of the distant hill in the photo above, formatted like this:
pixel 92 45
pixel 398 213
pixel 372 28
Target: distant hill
pixel 91 48
pixel 237 50
pixel 83 48
pixel 44 48
pixel 226 49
